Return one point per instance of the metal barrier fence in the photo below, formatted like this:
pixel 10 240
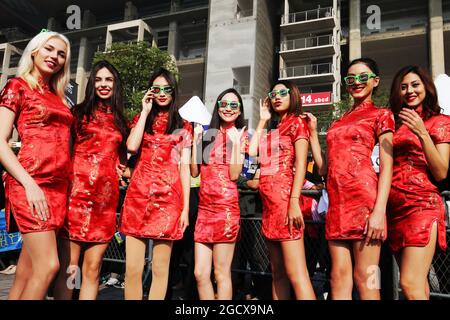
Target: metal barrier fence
pixel 116 253
pixel 252 256
pixel 439 276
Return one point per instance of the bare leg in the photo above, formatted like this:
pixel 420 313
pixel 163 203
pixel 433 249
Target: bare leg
pixel 280 280
pixel 223 256
pixel 92 264
pixel 202 270
pixel 69 273
pixel 296 269
pixel 415 266
pixel 41 247
pixel 341 270
pixel 23 272
pixel 367 272
pixel 162 250
pixel 134 266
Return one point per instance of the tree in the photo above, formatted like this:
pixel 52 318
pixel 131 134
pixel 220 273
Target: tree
pixel 135 62
pixel 326 118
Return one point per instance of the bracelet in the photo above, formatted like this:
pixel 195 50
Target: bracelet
pixel 295 197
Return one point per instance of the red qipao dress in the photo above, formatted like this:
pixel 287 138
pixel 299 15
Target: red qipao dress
pixel 277 156
pixel 43 122
pixel 352 182
pixel 218 211
pixel 95 186
pixel 154 199
pixel 415 203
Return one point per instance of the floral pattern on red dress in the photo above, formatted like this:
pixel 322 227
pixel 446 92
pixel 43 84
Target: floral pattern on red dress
pixel 415 202
pixel 154 199
pixel 218 217
pixel 95 185
pixel 43 122
pixel 352 182
pixel 277 156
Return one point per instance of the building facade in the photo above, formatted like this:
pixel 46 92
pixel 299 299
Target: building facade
pixel 246 44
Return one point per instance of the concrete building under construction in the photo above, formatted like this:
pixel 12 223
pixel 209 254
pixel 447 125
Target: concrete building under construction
pixel 246 44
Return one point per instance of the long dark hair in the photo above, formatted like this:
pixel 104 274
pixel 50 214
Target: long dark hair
pixel 430 104
pixel 86 108
pixel 175 120
pixel 239 123
pixel 295 102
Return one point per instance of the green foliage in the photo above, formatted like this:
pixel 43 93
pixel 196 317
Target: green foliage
pixel 326 117
pixel 381 97
pixel 136 62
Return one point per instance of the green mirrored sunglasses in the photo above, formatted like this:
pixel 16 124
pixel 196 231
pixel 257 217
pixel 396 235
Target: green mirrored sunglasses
pixel 159 89
pixel 282 92
pixel 361 78
pixel 234 105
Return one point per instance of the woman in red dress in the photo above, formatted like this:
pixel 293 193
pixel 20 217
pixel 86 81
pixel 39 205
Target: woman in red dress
pixel 156 205
pixel 100 128
pixel 38 178
pixel 283 155
pixel 416 221
pixel 355 222
pixel 217 226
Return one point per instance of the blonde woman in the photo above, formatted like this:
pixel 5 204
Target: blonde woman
pixel 37 180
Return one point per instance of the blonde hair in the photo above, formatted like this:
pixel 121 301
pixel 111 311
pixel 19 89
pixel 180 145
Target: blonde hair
pixel 59 81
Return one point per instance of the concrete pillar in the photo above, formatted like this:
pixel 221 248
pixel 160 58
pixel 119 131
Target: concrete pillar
pixel 52 24
pixel 5 66
pixel 108 40
pixel 141 32
pixel 173 41
pixel 89 19
pixel 436 38
pixel 80 77
pixel 131 12
pixel 174 5
pixel 286 12
pixel 355 29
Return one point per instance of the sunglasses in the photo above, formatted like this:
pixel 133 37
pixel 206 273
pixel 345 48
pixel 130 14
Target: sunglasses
pixel 232 104
pixel 362 78
pixel 283 93
pixel 159 89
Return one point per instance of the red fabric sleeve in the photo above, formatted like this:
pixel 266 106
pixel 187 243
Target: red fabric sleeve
pixel 385 122
pixel 299 129
pixel 440 130
pixel 187 134
pixel 133 122
pixel 11 95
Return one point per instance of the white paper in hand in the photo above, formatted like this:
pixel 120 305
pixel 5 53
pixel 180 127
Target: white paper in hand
pixel 195 111
pixel 442 83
